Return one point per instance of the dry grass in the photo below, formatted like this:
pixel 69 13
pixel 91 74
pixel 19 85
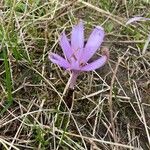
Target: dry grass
pixel 110 105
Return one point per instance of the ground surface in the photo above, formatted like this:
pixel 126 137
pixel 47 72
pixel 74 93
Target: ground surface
pixel 111 108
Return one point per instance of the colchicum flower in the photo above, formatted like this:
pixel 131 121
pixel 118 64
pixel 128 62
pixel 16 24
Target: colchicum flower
pixel 77 54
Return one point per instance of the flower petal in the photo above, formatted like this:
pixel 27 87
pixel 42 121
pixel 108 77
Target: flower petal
pixel 75 65
pixel 96 64
pixel 77 39
pixel 65 45
pixel 93 43
pixel 138 18
pixel 56 59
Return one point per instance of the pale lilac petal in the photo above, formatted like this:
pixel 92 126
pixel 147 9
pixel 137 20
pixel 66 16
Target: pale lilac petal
pixel 96 64
pixel 136 19
pixel 59 60
pixel 93 43
pixel 77 39
pixel 74 64
pixel 65 45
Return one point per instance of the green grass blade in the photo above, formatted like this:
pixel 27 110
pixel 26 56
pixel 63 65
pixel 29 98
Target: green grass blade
pixel 8 79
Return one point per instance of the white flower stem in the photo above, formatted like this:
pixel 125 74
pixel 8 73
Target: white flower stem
pixel 73 79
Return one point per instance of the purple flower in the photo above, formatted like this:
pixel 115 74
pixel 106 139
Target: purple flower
pixel 134 19
pixel 77 54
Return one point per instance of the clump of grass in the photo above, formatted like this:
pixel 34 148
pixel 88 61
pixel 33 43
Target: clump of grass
pixel 110 106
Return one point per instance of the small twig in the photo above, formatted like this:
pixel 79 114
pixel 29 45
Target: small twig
pixel 110 99
pixel 96 140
